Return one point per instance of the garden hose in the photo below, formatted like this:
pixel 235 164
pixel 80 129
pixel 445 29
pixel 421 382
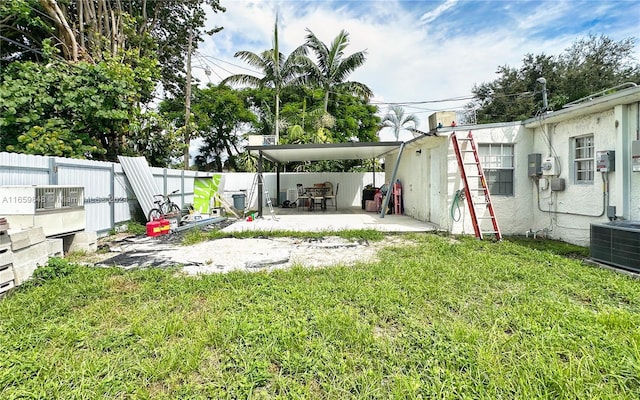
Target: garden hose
pixel 455 212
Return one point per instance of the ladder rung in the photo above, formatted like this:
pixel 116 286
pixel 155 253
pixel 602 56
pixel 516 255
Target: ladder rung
pixel 485 217
pixel 471 163
pixel 494 232
pixel 467 151
pixel 474 176
pixel 465 138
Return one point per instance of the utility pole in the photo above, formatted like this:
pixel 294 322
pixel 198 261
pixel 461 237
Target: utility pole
pixel 187 102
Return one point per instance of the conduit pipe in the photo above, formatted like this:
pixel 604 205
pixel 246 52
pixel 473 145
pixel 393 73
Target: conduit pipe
pixel 605 199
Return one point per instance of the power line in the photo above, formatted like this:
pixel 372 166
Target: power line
pixel 230 63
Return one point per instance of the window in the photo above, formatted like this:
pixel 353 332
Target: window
pixel 497 163
pixel 583 161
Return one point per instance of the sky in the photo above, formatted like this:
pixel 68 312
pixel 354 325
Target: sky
pixel 424 53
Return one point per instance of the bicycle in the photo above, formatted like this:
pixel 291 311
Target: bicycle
pixel 164 206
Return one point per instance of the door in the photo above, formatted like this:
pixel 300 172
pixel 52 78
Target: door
pixel 435 186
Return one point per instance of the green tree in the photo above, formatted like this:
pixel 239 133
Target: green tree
pixel 590 65
pixel 397 120
pixel 332 68
pixel 91 108
pixel 596 63
pixel 222 116
pixel 157 140
pixel 278 71
pixel 93 31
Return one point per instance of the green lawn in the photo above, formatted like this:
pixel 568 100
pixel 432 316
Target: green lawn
pixel 440 319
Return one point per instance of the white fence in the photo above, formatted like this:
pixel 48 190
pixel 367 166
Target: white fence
pixel 109 198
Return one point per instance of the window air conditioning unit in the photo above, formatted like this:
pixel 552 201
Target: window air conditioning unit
pixel 59 210
pixel 616 243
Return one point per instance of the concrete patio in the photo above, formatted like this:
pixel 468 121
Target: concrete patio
pixel 303 220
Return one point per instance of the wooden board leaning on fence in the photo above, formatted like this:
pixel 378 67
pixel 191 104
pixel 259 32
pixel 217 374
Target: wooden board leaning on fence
pixel 226 205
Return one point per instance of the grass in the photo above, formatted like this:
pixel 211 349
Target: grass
pixel 194 236
pixel 443 318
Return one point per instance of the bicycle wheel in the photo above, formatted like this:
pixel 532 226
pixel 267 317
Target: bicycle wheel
pixel 154 215
pixel 173 209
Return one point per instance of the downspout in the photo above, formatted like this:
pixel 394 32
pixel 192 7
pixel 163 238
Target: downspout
pixel 278 184
pixel 393 179
pixel 259 185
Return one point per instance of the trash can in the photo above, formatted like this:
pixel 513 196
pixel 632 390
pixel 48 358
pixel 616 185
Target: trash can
pixel 238 201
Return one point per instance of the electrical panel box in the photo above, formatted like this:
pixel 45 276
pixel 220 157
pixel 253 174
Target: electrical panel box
pixel 557 184
pixel 548 166
pixel 534 162
pixel 635 156
pixel 605 161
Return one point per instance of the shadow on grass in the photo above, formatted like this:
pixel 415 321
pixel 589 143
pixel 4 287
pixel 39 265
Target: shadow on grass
pixel 551 246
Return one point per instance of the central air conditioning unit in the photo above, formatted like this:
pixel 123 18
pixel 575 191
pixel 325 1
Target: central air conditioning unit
pixel 616 243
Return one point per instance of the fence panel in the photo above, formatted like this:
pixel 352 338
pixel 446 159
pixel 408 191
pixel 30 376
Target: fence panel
pixel 23 169
pixel 109 197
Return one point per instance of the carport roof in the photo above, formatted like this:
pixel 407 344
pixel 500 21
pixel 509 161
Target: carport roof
pixel 324 151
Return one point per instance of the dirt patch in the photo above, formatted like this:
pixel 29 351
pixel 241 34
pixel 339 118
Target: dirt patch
pixel 253 254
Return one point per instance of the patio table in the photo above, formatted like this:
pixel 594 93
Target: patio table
pixel 317 193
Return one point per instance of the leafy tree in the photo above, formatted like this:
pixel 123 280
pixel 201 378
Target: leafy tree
pixel 398 121
pixel 93 31
pixel 596 63
pixel 278 71
pixel 88 107
pixel 332 67
pixel 590 65
pixel 221 114
pixel 156 140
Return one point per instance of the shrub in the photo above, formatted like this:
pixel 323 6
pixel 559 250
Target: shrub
pixel 56 267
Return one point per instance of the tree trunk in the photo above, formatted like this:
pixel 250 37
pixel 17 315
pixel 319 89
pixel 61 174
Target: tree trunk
pixel 326 100
pixel 67 37
pixel 187 104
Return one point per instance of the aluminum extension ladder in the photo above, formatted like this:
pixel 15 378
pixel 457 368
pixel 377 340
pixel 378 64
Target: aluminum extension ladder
pixel 259 178
pixel 482 190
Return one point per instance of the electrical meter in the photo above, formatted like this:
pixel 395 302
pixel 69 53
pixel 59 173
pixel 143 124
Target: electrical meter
pixel 548 166
pixel 605 161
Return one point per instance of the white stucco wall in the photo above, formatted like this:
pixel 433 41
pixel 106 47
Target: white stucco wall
pixel 429 172
pixel 567 215
pixel 513 213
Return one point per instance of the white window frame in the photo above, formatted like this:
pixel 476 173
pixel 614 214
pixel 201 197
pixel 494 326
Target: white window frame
pixel 494 157
pixel 583 159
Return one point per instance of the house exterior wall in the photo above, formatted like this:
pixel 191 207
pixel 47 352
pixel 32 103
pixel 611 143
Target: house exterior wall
pixel 431 178
pixel 421 188
pixel 566 215
pixel 429 174
pixel 513 212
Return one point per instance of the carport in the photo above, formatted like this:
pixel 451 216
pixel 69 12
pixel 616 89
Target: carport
pixel 282 154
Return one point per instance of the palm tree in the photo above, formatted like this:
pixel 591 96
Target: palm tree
pixel 332 68
pixel 278 71
pixel 397 120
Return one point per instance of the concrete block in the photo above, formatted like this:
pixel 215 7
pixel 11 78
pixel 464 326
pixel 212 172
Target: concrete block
pixel 4 287
pixel 6 256
pixel 25 261
pixel 54 247
pixel 4 225
pixel 4 238
pixel 82 241
pixel 26 237
pixel 24 272
pixel 6 273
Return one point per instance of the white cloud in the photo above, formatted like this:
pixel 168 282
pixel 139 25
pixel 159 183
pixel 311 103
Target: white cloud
pixel 438 12
pixel 412 55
